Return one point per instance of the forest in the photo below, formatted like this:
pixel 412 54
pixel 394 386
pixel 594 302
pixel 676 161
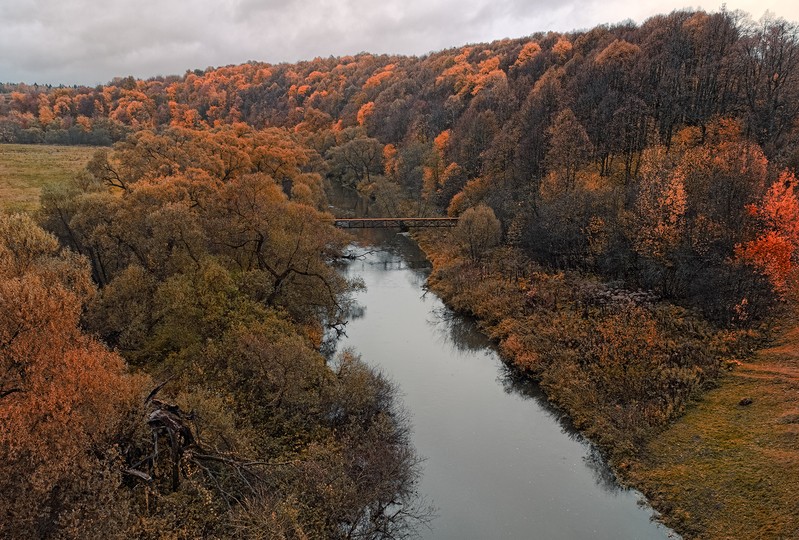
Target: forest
pixel 629 222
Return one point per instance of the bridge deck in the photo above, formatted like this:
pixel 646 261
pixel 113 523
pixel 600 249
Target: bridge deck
pixel 402 223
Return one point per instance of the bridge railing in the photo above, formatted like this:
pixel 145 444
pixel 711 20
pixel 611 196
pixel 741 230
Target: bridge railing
pixel 401 222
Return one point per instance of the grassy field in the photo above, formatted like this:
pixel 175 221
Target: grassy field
pixel 729 470
pixel 25 168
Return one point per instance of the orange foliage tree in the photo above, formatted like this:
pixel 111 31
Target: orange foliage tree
pixel 775 251
pixel 64 398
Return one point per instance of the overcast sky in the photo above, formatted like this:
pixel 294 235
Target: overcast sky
pixel 90 42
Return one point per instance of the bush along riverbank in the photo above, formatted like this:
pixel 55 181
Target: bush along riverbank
pixel 621 363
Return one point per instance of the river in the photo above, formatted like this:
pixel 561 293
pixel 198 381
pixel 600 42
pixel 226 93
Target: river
pixel 500 462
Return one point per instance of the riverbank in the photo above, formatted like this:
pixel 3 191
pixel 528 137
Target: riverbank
pixel 647 381
pixel 729 470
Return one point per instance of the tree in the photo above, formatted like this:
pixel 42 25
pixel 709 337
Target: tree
pixel 768 56
pixel 660 207
pixel 64 398
pixel 775 251
pixel 477 231
pixel 569 150
pixel 356 160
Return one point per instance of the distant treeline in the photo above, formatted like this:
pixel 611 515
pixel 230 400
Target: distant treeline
pixel 636 152
pixel 629 86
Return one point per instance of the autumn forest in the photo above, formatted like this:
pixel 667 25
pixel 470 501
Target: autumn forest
pixel 628 235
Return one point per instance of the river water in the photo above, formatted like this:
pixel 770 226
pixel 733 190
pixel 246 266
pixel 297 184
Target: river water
pixel 499 461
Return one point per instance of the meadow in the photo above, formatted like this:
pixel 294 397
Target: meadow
pixel 26 168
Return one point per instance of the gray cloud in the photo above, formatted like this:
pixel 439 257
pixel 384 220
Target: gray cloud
pixel 90 42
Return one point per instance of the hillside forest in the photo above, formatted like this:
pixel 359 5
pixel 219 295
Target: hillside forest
pixel 629 220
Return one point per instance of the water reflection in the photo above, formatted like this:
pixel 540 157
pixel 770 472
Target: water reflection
pixel 463 333
pixel 458 331
pixel 603 474
pixel 356 311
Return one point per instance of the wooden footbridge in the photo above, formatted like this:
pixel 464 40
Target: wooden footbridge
pixel 402 223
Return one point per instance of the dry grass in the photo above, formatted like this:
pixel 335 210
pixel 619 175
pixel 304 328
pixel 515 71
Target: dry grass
pixel 25 168
pixel 726 470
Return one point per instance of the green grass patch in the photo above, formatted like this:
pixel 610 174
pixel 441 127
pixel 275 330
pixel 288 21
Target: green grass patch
pixel 727 470
pixel 26 168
